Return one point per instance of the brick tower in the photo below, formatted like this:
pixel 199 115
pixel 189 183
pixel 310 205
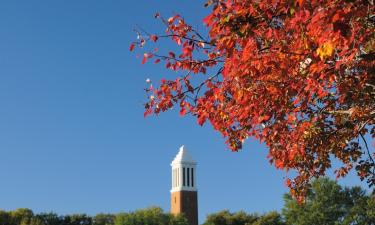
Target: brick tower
pixel 184 196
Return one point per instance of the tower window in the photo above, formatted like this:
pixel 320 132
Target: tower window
pixel 178 177
pixel 192 177
pixel 174 178
pixel 183 176
pixel 188 177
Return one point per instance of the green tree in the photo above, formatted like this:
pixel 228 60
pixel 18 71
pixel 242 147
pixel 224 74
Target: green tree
pixel 77 219
pixel 361 208
pixel 227 218
pixel 5 218
pixel 329 204
pixel 178 220
pixel 37 221
pixel 21 216
pixel 271 218
pixel 50 218
pixel 149 216
pixel 104 219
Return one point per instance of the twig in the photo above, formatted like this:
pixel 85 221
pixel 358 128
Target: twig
pixel 368 153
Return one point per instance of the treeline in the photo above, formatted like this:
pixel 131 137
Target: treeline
pixel 150 216
pixel 326 204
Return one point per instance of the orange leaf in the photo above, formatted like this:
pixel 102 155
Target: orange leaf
pixel 145 56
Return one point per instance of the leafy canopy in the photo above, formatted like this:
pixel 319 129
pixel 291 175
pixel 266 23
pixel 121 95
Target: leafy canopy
pixel 330 204
pixel 297 75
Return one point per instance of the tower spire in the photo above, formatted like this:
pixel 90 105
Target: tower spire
pixel 184 196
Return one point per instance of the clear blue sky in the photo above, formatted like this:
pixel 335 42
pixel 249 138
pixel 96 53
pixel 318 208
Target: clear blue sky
pixel 72 134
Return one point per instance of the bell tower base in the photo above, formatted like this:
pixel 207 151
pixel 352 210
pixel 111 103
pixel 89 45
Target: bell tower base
pixel 186 203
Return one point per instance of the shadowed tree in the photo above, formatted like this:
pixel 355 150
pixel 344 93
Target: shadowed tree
pixel 21 216
pixel 5 218
pixel 150 216
pixel 50 218
pixel 77 219
pixel 227 218
pixel 271 218
pixel 329 204
pixel 104 219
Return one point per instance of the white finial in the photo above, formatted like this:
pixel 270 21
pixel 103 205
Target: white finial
pixel 183 156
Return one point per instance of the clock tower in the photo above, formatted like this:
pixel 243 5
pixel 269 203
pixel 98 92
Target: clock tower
pixel 184 196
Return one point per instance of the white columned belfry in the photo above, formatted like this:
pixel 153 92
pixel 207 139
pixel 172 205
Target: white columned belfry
pixel 184 195
pixel 184 176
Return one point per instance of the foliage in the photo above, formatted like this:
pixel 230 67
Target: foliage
pixel 330 204
pixel 241 218
pixel 297 75
pixel 150 216
pixel 104 219
pixel 49 219
pixel 21 216
pixel 272 218
pixel 78 219
pixel 225 218
pixel 5 218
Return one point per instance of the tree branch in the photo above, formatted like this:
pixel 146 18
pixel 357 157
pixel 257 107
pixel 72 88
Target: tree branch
pixel 368 153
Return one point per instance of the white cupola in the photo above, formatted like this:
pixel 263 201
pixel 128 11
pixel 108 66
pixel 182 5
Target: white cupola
pixel 183 172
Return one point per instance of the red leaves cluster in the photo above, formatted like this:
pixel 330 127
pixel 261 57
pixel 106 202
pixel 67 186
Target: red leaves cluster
pixel 297 75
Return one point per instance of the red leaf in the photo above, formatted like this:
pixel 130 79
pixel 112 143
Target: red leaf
pixel 182 111
pixel 201 119
pixel 147 112
pixel 208 20
pixel 154 38
pixel 132 46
